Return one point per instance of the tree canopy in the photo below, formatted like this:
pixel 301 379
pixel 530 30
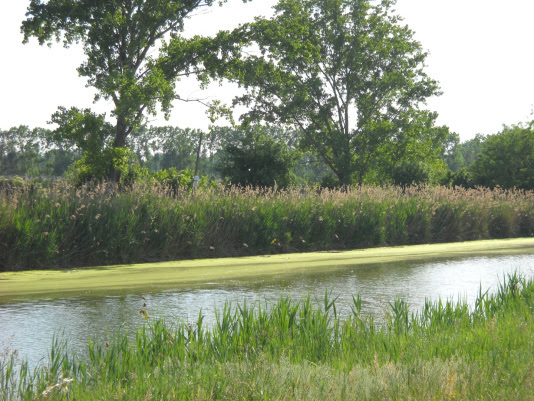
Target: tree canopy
pixel 119 38
pixel 507 159
pixel 348 75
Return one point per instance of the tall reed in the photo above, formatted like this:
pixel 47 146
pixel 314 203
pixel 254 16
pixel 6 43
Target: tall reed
pixel 63 226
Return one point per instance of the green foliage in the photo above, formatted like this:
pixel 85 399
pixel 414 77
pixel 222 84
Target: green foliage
pixel 462 155
pixel 95 167
pixel 330 181
pixel 306 169
pixel 83 130
pixel 120 40
pixel 173 179
pixel 309 169
pixel 305 350
pixel 416 149
pixel 32 152
pixel 12 185
pixel 170 147
pixel 159 148
pixel 41 152
pixel 411 173
pixel 258 161
pixel 20 150
pixel 507 159
pixel 59 225
pixel 348 75
pixel 176 181
pixel 460 178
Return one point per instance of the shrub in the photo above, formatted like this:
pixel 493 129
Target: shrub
pixel 258 160
pixel 411 172
pixel 95 167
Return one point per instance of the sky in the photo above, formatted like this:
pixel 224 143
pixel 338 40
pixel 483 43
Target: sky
pixel 480 51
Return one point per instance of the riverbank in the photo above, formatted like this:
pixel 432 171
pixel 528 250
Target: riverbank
pixel 189 273
pixel 61 227
pixel 296 351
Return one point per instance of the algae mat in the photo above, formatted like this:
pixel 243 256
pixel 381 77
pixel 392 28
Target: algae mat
pixel 185 273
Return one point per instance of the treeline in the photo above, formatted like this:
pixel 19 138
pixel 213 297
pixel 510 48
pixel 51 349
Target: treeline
pixel 503 160
pixel 224 154
pixel 33 153
pixel 263 156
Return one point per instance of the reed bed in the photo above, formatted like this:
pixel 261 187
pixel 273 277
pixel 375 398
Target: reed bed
pixel 298 350
pixel 63 226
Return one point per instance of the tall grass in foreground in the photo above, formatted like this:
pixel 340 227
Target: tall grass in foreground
pixel 293 350
pixel 62 226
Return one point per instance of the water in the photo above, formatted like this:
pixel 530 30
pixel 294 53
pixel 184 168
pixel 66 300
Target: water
pixel 29 326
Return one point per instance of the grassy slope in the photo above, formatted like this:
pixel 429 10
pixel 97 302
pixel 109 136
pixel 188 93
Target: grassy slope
pixel 190 272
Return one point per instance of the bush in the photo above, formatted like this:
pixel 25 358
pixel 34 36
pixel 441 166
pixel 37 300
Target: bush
pixel 411 172
pixel 175 181
pixel 258 161
pixel 11 184
pixel 95 167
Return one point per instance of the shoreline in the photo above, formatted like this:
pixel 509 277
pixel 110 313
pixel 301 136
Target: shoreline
pixel 189 273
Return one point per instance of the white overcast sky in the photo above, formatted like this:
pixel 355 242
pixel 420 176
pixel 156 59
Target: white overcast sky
pixel 481 52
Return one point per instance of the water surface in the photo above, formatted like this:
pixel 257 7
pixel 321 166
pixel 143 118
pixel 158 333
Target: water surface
pixel 28 326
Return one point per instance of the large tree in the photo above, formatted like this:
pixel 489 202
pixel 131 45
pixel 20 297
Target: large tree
pixel 346 73
pixel 119 38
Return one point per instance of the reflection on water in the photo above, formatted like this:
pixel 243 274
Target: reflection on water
pixel 30 326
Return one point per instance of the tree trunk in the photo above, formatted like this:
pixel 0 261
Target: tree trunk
pixel 118 142
pixel 196 164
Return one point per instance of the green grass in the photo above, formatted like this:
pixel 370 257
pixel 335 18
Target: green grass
pixel 63 227
pixel 294 350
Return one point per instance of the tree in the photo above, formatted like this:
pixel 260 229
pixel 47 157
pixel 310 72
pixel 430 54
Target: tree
pixel 57 161
pixel 20 149
pixel 119 38
pixel 348 75
pixel 258 160
pixel 92 136
pixel 462 155
pixel 507 159
pixel 409 173
pixel 33 152
pixel 165 147
pixel 418 144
